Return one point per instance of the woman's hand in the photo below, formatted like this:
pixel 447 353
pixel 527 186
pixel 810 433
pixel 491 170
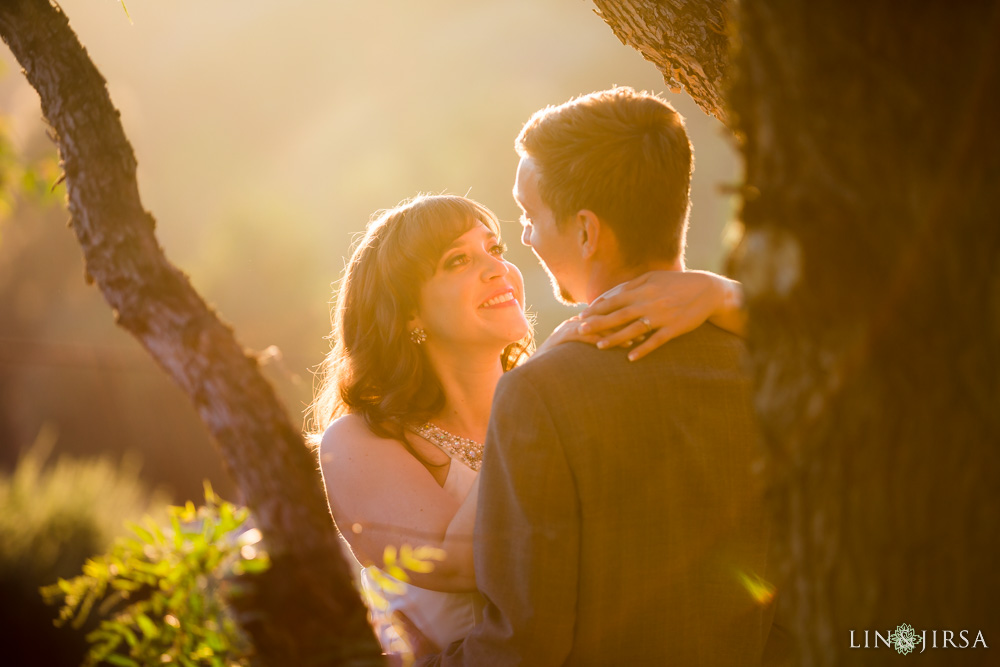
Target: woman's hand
pixel 661 305
pixel 565 332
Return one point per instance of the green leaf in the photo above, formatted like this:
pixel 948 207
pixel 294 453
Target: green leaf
pixel 203 652
pixel 121 660
pixel 214 641
pixel 130 637
pixel 95 568
pixel 143 534
pixel 227 520
pixel 156 530
pixel 419 560
pixel 125 585
pixel 147 626
pixel 210 497
pixel 176 525
pixel 195 602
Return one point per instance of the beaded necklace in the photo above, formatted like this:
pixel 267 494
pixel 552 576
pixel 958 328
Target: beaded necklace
pixel 465 450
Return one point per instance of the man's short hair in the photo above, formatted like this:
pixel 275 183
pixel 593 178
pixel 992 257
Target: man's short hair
pixel 623 155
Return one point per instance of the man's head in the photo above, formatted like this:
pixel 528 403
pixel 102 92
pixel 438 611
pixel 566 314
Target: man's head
pixel 604 180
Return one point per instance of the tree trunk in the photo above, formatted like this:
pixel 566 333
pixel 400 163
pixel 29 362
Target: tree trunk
pixel 869 263
pixel 687 41
pixel 304 611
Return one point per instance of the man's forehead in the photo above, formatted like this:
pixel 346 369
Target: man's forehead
pixel 517 199
pixel 518 191
pixel 515 190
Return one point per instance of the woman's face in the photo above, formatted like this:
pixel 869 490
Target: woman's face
pixel 475 295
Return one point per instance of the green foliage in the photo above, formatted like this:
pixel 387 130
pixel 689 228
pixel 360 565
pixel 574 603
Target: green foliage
pixel 161 591
pixel 396 564
pixel 53 516
pixel 392 579
pixel 35 181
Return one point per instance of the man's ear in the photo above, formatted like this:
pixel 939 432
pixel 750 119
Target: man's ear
pixel 589 229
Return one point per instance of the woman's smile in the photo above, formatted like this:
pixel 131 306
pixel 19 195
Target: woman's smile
pixel 503 299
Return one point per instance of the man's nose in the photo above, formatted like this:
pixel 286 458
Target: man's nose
pixel 526 235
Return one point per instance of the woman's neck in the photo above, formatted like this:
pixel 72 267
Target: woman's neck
pixel 468 379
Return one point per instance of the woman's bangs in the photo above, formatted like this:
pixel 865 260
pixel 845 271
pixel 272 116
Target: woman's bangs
pixel 437 221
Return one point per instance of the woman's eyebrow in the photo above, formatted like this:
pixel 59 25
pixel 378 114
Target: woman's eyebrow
pixel 458 243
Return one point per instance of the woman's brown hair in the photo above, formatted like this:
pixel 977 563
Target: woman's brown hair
pixel 373 368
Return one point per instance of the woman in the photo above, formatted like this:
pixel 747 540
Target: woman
pixel 428 318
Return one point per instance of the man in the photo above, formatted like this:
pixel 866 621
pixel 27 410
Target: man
pixel 619 520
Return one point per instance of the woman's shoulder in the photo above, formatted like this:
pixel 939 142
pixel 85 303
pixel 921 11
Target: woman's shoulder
pixel 349 439
pixel 351 432
pixel 355 460
pixel 349 426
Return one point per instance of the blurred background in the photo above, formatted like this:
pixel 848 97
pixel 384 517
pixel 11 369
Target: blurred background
pixel 267 134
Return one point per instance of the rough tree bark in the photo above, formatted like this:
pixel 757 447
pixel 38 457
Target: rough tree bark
pixel 304 611
pixel 869 263
pixel 687 41
pixel 872 170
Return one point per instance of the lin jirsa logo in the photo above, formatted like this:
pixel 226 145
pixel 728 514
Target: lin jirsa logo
pixel 905 639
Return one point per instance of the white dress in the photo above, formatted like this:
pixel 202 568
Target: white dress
pixel 441 617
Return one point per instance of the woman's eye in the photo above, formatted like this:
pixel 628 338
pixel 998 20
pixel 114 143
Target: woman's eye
pixel 457 260
pixel 499 249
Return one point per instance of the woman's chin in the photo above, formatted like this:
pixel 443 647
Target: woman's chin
pixel 505 337
pixel 518 330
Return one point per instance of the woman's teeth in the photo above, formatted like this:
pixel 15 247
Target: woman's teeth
pixel 506 296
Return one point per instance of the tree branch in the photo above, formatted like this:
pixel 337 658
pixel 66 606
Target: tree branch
pixel 320 617
pixel 687 40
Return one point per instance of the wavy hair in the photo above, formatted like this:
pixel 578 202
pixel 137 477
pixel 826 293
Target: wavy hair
pixel 373 368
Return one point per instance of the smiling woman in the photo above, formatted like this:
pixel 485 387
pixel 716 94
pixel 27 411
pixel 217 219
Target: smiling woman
pixel 475 297
pixel 412 264
pixel 428 318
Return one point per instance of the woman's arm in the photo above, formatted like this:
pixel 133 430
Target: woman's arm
pixel 458 538
pixel 664 304
pixel 381 496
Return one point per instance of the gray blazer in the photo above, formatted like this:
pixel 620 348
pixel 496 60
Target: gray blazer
pixel 620 521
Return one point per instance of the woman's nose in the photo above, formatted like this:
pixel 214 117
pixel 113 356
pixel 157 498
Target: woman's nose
pixel 526 235
pixel 496 267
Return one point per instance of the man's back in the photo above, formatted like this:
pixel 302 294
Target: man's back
pixel 620 522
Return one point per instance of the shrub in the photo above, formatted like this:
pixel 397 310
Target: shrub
pixel 161 591
pixel 52 517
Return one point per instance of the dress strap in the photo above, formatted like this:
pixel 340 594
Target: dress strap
pixel 465 450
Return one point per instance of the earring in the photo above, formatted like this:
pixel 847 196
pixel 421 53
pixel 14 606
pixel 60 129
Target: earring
pixel 418 336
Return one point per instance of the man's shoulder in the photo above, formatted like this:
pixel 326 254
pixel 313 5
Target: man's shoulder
pixel 563 361
pixel 707 344
pixel 579 374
